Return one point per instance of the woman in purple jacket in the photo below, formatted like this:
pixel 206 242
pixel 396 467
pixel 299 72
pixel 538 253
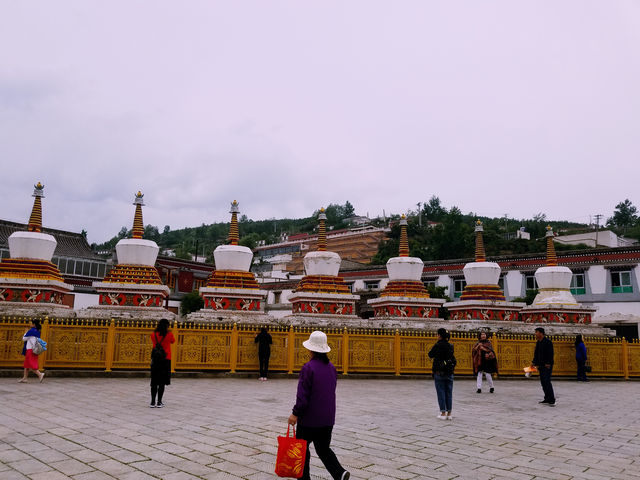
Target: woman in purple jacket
pixel 315 408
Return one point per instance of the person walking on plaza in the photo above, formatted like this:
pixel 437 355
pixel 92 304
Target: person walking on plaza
pixel 315 408
pixel 444 363
pixel 581 359
pixel 30 338
pixel 484 361
pixel 160 364
pixel 264 341
pixel 543 360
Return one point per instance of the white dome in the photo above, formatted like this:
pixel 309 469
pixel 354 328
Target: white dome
pixel 32 245
pixel 405 268
pixel 322 263
pixel 554 284
pixel 136 251
pixel 233 257
pixel 482 273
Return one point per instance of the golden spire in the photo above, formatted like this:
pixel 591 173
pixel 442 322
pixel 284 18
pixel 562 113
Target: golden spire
pixel 322 232
pixel 552 260
pixel 234 235
pixel 35 220
pixel 480 255
pixel 138 225
pixel 404 239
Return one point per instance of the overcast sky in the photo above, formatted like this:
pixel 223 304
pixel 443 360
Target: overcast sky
pixel 498 107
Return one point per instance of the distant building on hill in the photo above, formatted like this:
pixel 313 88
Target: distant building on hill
pixel 602 238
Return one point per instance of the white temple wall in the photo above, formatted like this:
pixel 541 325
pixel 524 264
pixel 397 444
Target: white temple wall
pixel 444 281
pixel 513 280
pixel 597 279
pixel 84 300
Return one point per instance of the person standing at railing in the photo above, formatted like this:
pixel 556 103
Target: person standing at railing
pixel 315 408
pixel 484 361
pixel 30 338
pixel 444 363
pixel 160 367
pixel 543 360
pixel 581 359
pixel 264 341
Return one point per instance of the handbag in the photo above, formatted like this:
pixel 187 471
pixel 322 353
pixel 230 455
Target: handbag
pixel 587 368
pixel 39 347
pixel 292 453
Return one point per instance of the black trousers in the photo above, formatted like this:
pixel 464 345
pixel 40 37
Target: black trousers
pixel 321 439
pixel 582 370
pixel 264 365
pixel 545 381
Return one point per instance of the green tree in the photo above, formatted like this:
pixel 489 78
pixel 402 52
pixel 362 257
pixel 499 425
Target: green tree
pixel 624 216
pixel 191 302
pixel 433 210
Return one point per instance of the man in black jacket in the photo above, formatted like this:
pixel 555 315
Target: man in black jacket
pixel 543 360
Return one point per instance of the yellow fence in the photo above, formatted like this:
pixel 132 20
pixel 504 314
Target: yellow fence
pixel 126 345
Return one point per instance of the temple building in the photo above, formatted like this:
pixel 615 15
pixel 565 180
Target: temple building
pixel 232 292
pixel 405 301
pixel 554 302
pixel 30 284
pixel 482 298
pixel 322 297
pixel 132 288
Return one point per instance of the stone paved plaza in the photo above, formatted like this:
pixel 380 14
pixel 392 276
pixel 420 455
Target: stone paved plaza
pixel 226 428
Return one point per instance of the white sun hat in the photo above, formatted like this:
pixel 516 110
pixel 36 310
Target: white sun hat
pixel 317 342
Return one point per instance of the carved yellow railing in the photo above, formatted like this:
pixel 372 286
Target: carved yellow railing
pixel 126 345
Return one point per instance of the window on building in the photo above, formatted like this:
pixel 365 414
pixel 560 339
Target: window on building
pixel 458 287
pixel 372 284
pixel 101 270
pixel 577 284
pixel 350 285
pixel 501 282
pixel 71 265
pixel 86 268
pixel 429 283
pixel 530 282
pixel 621 282
pixel 277 297
pixel 94 269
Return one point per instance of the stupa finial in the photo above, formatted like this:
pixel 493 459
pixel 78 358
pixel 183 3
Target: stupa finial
pixel 322 231
pixel 552 260
pixel 138 225
pixel 35 220
pixel 480 255
pixel 404 238
pixel 234 234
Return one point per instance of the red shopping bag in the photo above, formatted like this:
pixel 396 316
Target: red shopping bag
pixel 292 452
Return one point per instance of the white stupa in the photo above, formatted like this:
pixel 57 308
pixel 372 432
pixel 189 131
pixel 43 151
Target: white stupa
pixel 29 283
pixel 232 293
pixel 133 288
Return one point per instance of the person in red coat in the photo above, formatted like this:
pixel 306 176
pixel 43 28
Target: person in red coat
pixel 161 370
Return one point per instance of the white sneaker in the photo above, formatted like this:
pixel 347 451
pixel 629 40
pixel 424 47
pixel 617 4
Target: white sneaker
pixel 449 417
pixel 442 417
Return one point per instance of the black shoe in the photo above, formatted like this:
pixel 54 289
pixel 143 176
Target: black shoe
pixel 543 401
pixel 152 405
pixel 551 404
pixel 491 390
pixel 160 405
pixel 345 475
pixel 479 390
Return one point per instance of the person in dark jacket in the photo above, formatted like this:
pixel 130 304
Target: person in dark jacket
pixel 484 361
pixel 543 360
pixel 315 408
pixel 264 341
pixel 444 362
pixel 581 359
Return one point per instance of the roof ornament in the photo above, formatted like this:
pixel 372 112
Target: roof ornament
pixel 404 238
pixel 35 219
pixel 138 225
pixel 552 260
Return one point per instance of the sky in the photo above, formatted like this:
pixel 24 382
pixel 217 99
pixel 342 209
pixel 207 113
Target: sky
pixel 497 107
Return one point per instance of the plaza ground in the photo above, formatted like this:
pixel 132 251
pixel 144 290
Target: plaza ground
pixel 226 428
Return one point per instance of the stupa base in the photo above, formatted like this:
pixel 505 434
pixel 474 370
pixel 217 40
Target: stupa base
pixel 226 317
pixel 38 294
pixel 484 310
pixel 405 308
pixel 126 313
pixel 131 295
pixel 561 314
pixel 229 301
pixel 323 321
pixel 323 304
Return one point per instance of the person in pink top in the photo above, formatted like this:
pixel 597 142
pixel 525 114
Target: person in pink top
pixel 161 370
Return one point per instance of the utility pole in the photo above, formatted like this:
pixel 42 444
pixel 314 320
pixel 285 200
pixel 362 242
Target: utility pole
pixel 597 216
pixel 419 213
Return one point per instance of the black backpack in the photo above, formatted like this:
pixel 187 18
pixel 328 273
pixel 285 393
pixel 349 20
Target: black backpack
pixel 158 355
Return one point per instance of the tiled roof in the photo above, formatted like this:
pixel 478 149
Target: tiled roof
pixel 70 244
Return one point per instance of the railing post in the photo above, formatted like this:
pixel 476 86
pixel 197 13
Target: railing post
pixel 345 351
pixel 625 359
pixel 495 349
pixel 397 357
pixel 111 345
pixel 174 348
pixel 291 351
pixel 44 335
pixel 234 348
